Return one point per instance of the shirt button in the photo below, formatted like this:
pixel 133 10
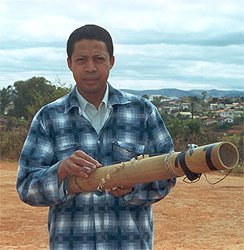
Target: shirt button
pixel 98 142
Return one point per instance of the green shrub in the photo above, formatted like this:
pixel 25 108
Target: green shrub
pixel 12 136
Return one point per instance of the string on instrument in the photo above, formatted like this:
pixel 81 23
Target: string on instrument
pixel 205 175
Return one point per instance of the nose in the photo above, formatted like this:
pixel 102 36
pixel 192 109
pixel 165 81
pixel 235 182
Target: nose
pixel 90 66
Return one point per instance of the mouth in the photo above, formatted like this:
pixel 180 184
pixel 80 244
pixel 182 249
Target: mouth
pixel 91 79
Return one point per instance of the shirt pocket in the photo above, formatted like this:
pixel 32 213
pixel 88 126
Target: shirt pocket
pixel 124 151
pixel 64 151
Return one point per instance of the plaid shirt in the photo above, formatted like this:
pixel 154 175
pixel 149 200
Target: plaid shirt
pixel 95 220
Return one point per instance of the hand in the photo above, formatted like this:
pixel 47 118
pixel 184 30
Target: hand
pixel 120 191
pixel 79 164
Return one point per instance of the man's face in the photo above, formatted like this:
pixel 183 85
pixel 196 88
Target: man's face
pixel 90 64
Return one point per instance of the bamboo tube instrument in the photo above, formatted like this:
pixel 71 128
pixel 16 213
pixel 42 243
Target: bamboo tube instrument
pixel 207 158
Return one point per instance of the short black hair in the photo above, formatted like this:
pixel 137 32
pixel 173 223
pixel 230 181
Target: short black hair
pixel 92 32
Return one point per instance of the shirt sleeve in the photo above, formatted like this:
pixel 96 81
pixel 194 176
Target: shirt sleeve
pixel 37 179
pixel 159 142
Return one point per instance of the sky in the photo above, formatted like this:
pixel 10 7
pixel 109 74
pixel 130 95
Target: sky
pixel 184 44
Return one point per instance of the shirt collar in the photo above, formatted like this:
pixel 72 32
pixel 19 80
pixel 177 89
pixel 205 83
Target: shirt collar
pixel 114 96
pixel 83 102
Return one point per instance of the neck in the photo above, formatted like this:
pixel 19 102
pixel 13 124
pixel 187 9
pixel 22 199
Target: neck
pixel 93 98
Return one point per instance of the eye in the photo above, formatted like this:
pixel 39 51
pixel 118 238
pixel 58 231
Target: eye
pixel 99 59
pixel 80 59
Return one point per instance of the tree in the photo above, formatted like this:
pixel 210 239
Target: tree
pixel 6 96
pixel 145 96
pixel 32 94
pixel 157 100
pixel 204 96
pixel 176 127
pixel 194 127
pixel 40 100
pixel 193 99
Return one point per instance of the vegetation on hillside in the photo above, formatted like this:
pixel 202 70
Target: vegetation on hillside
pixel 20 102
pixel 18 105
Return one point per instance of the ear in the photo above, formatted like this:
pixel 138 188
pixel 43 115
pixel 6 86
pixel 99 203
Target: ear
pixel 112 61
pixel 69 63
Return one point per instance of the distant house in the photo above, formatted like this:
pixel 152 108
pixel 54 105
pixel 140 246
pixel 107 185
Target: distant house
pixel 221 106
pixel 227 120
pixel 168 106
pixel 231 113
pixel 185 106
pixel 238 113
pixel 209 121
pixel 213 106
pixel 184 114
pixel 228 106
pixel 216 106
pixel 153 97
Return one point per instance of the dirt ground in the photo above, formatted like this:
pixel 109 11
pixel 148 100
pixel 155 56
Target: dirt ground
pixel 194 216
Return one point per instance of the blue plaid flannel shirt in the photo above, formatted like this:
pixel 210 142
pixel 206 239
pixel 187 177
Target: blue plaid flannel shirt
pixel 95 220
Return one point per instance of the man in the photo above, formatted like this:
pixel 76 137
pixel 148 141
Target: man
pixel 93 126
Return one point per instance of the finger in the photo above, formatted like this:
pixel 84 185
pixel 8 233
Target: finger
pixel 118 192
pixel 80 164
pixel 115 193
pixel 125 188
pixel 87 160
pixel 121 191
pixel 73 169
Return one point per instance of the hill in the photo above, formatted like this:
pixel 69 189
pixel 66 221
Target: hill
pixel 172 92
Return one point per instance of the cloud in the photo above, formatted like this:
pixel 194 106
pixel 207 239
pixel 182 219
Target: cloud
pixel 166 43
pixel 200 38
